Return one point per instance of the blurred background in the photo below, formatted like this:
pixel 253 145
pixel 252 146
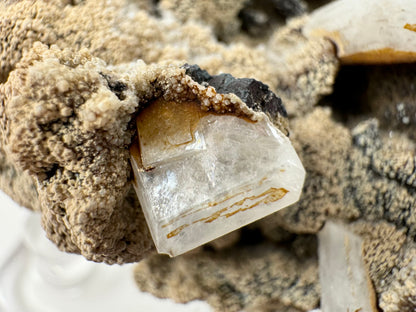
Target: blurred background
pixel 35 276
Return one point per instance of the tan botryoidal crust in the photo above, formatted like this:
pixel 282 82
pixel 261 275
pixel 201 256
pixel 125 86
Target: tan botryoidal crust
pixel 66 109
pixel 235 278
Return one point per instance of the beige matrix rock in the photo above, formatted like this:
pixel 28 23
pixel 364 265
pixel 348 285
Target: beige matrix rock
pixel 75 74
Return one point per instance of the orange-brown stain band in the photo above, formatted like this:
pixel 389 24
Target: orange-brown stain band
pixel 411 27
pixel 380 56
pixel 177 231
pixel 272 195
pixel 189 212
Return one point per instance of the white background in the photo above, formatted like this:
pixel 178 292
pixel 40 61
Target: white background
pixel 36 277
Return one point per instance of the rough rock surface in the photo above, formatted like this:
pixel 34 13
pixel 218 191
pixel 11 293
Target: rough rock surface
pixel 220 15
pixel 60 125
pixel 66 106
pixel 235 278
pixel 396 109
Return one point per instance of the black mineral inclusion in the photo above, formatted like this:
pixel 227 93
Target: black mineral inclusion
pixel 254 93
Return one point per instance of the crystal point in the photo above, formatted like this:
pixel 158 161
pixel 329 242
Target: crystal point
pixel 200 175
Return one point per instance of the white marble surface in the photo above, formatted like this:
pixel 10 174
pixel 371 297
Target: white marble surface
pixel 36 277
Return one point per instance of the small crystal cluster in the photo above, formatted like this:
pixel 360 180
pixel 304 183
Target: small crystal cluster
pixel 200 175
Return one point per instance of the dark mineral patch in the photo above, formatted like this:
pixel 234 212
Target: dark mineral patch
pixel 254 93
pixel 259 17
pixel 117 87
pixel 196 73
pixel 255 22
pixel 290 7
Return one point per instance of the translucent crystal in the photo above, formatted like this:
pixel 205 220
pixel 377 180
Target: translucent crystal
pixel 200 175
pixel 346 285
pixel 367 32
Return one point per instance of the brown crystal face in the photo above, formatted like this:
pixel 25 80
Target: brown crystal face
pixel 165 128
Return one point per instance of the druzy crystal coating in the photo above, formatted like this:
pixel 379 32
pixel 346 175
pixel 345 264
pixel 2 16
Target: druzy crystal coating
pixel 200 175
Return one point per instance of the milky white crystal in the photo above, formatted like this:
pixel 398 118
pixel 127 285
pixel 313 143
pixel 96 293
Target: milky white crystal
pixel 345 283
pixel 199 175
pixel 368 31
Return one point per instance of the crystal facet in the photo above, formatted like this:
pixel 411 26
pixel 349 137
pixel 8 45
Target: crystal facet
pixel 200 175
pixel 367 32
pixel 346 285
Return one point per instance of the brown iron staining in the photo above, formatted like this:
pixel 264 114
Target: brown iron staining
pixel 411 27
pixel 177 231
pixel 166 125
pixel 269 196
pixel 380 56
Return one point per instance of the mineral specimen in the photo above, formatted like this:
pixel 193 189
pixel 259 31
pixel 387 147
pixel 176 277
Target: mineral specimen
pixel 68 106
pixel 200 175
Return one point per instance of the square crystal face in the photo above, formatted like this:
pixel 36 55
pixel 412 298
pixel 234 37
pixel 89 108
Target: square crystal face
pixel 200 175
